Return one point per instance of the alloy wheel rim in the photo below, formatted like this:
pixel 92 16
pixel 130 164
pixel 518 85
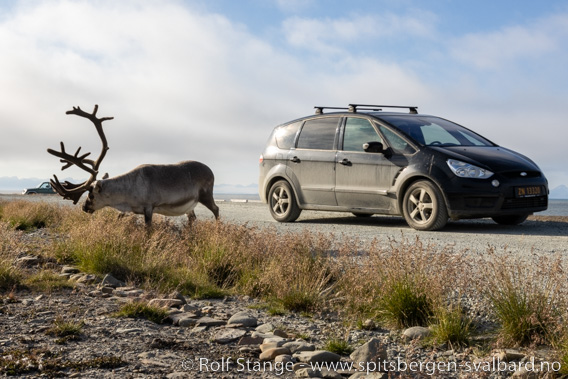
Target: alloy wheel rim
pixel 280 201
pixel 420 206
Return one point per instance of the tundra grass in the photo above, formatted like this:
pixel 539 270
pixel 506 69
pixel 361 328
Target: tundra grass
pixel 398 283
pixel 25 215
pixel 142 310
pixel 452 326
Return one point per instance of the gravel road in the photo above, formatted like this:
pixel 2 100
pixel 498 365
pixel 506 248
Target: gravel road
pixel 542 235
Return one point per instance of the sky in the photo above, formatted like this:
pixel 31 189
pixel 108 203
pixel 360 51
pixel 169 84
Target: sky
pixel 208 80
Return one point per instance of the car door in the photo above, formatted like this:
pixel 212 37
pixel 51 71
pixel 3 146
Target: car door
pixel 362 178
pixel 311 165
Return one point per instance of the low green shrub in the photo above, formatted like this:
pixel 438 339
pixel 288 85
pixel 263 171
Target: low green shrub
pixel 142 310
pixel 452 326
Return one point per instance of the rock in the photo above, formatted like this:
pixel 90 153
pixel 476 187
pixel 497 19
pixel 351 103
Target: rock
pixel 247 340
pixel 317 356
pixel 165 303
pixel 271 345
pixel 270 354
pixel 228 335
pixel 524 373
pixel 415 333
pixel 284 358
pixel 87 279
pixel 28 261
pixel 243 318
pixel 208 321
pixel 509 355
pixel 111 281
pixel 280 333
pixel 265 328
pixel 70 270
pixel 186 321
pixel 177 295
pixel 373 351
pixel 191 309
pixel 372 375
pixel 307 372
pixel 108 290
pixel 128 330
pixel 299 346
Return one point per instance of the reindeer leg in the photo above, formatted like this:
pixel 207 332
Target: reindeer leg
pixel 148 216
pixel 191 217
pixel 207 200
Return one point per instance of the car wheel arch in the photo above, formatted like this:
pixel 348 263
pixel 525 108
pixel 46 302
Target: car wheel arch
pixel 411 180
pixel 275 179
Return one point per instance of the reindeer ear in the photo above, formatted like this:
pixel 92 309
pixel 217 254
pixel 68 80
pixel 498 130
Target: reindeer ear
pixel 105 176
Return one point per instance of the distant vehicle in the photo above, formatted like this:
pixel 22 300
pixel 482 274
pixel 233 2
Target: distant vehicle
pixel 43 189
pixel 425 168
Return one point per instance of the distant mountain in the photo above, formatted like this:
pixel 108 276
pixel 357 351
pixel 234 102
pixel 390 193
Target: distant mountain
pixel 16 185
pixel 560 192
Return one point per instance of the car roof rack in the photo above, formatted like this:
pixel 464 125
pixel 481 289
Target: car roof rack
pixel 367 107
pixel 319 110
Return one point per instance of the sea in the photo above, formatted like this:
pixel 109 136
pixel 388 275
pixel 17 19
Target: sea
pixel 556 207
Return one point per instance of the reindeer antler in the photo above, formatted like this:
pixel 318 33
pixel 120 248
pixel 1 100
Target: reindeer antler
pixel 73 191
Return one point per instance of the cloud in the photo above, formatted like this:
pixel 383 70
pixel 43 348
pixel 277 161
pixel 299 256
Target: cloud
pixel 334 35
pixel 513 44
pixel 184 83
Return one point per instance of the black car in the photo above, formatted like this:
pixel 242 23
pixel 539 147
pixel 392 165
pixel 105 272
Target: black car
pixel 43 188
pixel 366 161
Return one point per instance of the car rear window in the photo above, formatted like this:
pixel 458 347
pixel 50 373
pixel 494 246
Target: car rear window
pixel 286 135
pixel 318 134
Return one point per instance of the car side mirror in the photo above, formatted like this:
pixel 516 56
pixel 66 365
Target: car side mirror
pixel 373 147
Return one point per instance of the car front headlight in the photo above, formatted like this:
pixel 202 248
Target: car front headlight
pixel 467 170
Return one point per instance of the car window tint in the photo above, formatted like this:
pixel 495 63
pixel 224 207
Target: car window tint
pixel 357 132
pixel 318 134
pixel 429 130
pixel 435 134
pixel 397 143
pixel 285 135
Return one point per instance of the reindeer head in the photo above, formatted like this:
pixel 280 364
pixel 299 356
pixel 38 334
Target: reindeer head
pixel 73 191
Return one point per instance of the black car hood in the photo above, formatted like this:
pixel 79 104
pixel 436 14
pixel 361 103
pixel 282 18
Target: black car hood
pixel 495 158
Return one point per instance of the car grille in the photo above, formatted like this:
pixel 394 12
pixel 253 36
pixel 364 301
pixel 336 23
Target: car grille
pixel 528 202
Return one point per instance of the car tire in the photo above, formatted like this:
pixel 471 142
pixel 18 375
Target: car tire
pixel 282 202
pixel 510 219
pixel 423 206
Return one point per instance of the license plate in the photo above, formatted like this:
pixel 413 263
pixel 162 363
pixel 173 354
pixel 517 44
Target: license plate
pixel 530 191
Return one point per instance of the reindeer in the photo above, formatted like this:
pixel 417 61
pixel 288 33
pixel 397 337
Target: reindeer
pixel 171 190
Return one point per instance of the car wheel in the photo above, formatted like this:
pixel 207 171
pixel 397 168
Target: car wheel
pixel 423 206
pixel 282 203
pixel 356 214
pixel 510 219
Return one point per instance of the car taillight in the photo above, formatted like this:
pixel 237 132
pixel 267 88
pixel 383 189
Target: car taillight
pixel 260 159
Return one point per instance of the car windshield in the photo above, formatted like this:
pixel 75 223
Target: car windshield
pixel 434 131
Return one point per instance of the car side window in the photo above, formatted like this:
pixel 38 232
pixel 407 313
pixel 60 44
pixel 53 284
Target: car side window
pixel 318 134
pixel 357 132
pixel 397 143
pixel 285 135
pixel 45 185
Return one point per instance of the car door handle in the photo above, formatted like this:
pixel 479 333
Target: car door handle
pixel 295 159
pixel 345 162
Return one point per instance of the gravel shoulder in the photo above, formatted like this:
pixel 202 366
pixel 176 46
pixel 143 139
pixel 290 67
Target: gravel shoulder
pixel 151 350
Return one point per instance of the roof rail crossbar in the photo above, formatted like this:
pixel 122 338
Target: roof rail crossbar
pixel 370 107
pixel 319 110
